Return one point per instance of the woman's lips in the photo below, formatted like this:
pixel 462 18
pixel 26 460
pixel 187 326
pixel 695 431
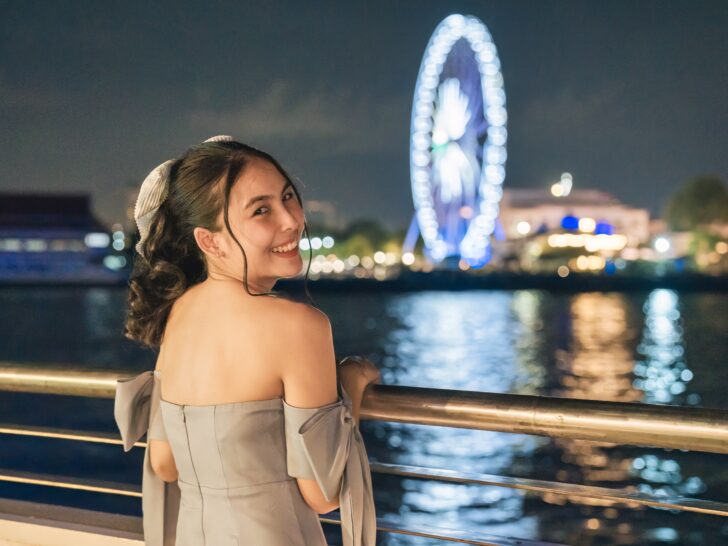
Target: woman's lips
pixel 289 254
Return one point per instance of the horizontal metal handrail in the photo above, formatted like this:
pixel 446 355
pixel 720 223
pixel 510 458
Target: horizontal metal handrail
pixel 107 527
pixel 630 497
pixel 694 429
pixel 58 379
pixel 65 434
pixel 462 536
pixel 67 482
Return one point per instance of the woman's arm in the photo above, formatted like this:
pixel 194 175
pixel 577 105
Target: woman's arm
pixel 308 373
pixel 160 456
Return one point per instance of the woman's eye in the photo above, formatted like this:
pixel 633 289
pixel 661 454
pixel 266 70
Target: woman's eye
pixel 257 212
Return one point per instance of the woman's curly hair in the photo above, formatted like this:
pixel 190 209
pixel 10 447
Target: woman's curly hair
pixel 200 183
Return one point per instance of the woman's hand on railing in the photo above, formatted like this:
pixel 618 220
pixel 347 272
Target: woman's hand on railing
pixel 356 373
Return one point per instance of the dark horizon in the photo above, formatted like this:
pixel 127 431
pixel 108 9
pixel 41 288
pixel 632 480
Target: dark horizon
pixel 628 98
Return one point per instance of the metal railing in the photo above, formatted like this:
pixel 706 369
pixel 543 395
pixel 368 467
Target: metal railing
pixel 694 429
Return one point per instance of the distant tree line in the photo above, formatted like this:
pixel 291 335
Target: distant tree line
pixel 362 237
pixel 699 203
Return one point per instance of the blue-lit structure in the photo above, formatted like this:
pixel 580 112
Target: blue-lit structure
pixel 458 142
pixel 55 238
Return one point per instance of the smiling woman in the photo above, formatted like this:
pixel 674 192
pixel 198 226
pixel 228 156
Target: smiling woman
pixel 189 234
pixel 240 422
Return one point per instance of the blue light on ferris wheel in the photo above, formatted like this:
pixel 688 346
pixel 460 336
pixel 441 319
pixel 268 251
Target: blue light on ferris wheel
pixel 570 222
pixel 603 228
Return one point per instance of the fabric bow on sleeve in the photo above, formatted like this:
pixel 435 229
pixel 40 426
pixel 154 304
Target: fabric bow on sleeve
pixel 325 444
pixel 137 412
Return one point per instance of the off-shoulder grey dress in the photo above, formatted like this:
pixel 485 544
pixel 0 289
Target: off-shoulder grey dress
pixel 237 463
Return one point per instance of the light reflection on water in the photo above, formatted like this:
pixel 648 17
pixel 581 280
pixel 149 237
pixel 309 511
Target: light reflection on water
pixel 596 364
pixel 664 377
pixel 662 373
pixel 592 346
pixel 657 347
pixel 468 341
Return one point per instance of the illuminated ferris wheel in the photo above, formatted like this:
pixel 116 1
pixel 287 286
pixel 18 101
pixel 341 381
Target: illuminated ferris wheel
pixel 458 142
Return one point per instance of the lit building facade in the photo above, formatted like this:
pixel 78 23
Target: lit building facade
pixel 536 210
pixel 563 230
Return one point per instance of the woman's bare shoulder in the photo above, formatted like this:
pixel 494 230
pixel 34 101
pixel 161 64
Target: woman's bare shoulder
pixel 306 360
pixel 305 329
pixel 299 316
pixel 250 320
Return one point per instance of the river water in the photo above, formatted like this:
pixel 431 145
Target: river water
pixel 659 346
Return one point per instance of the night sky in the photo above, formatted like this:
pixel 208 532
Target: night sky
pixel 630 97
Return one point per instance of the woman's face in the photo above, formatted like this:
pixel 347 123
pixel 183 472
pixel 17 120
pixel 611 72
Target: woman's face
pixel 264 213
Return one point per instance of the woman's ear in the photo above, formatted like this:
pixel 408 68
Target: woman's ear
pixel 207 242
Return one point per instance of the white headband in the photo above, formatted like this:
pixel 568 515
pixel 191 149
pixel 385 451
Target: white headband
pixel 153 192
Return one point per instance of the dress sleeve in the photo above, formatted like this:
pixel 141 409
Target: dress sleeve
pixel 325 444
pixel 136 412
pixel 136 409
pixel 131 407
